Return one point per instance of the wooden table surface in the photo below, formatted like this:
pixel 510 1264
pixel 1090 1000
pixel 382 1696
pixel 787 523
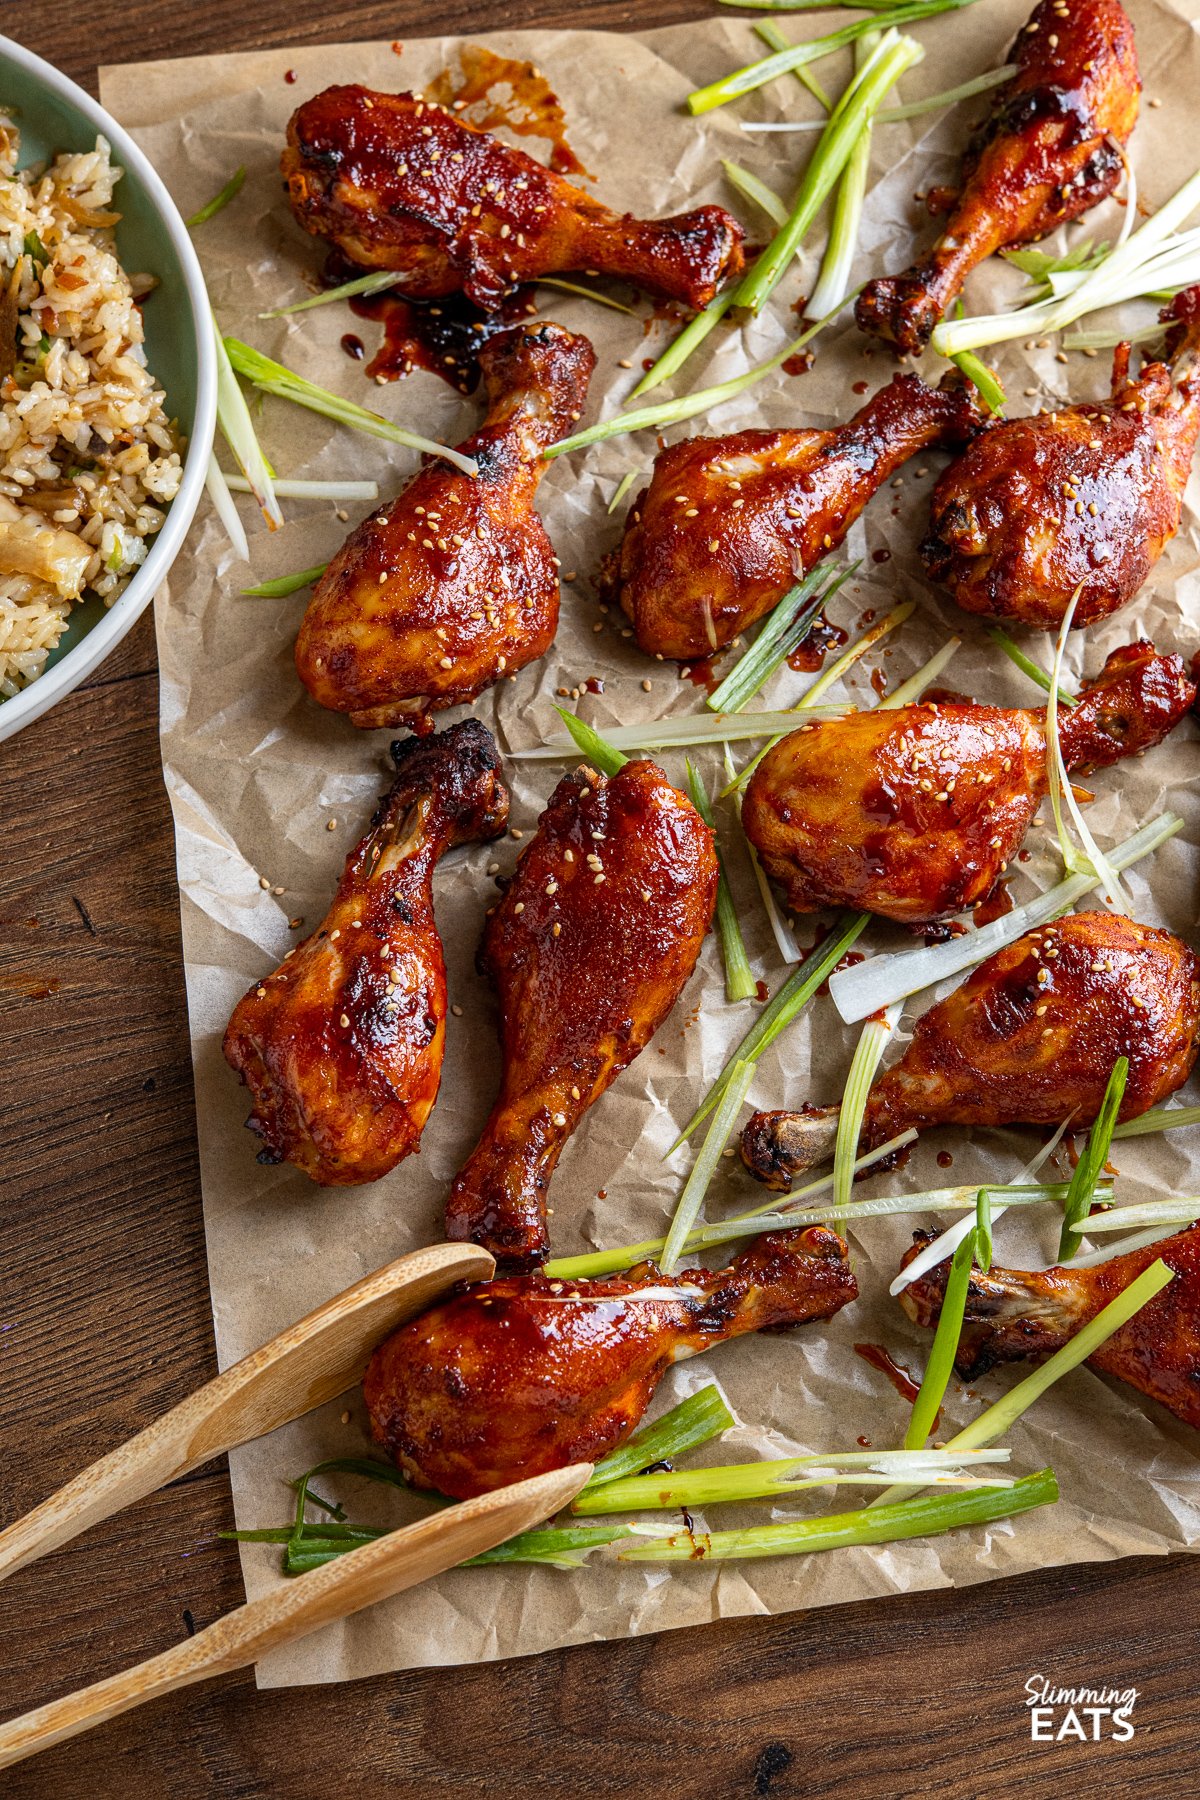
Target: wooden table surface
pixel 105 1320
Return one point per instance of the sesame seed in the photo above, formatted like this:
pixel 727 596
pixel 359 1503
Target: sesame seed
pixel 264 884
pixel 345 1020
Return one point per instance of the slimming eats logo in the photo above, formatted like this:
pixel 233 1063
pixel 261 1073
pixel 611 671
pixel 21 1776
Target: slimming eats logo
pixel 1088 1714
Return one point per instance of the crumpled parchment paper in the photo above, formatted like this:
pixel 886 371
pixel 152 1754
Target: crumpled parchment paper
pixel 265 786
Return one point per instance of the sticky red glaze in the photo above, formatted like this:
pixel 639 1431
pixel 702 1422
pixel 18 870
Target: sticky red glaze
pixel 1042 157
pixel 1033 1034
pixel 913 813
pixel 454 583
pixel 728 524
pixel 518 1376
pixel 576 1007
pixel 1030 1038
pixel 342 1046
pixel 397 182
pixel 1086 498
pixel 1013 1314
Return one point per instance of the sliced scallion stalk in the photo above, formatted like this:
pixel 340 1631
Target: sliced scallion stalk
pixel 220 200
pixel 879 1524
pixel 682 733
pixel 1026 664
pixel 915 686
pixel 585 293
pixel 947 1242
pixel 833 279
pixel 274 378
pixel 1159 1118
pixel 872 1043
pixel 741 1074
pixel 374 283
pixel 598 750
pixel 286 584
pixel 1093 858
pixel 739 981
pixel 753 189
pixel 940 1363
pixel 694 1421
pixel 783 630
pixel 781 1009
pixel 233 416
pixel 776 1214
pixel 674 412
pixel 1184 1210
pixel 891 57
pixel 623 486
pixel 776 1478
pixel 311 490
pixel 1091 1163
pixel 223 504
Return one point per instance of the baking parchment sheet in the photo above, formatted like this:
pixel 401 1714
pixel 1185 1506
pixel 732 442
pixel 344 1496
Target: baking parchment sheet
pixel 266 787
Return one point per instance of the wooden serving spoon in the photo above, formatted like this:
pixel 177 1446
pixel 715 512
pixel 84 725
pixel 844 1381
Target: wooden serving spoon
pixel 311 1362
pixel 359 1578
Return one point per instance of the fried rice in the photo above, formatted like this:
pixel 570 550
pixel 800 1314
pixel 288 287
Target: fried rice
pixel 89 460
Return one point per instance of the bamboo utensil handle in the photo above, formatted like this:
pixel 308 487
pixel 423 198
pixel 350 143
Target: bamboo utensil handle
pixel 293 1608
pixel 312 1361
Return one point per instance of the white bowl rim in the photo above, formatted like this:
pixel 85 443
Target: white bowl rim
pixel 23 708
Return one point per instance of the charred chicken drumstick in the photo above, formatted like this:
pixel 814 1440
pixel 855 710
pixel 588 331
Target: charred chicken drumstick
pixel 1084 499
pixel 1030 1038
pixel 1049 150
pixel 728 524
pixel 454 583
pixel 397 182
pixel 914 813
pixel 342 1046
pixel 520 1375
pixel 1015 1313
pixel 588 951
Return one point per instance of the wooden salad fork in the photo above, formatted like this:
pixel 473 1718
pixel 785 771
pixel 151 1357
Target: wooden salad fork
pixel 360 1578
pixel 311 1362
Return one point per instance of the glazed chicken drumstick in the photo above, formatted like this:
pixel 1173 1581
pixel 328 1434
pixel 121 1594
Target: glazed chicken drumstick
pixel 454 583
pixel 1017 1313
pixel 342 1046
pixel 728 524
pixel 1030 1038
pixel 588 951
pixel 397 182
pixel 521 1375
pixel 914 813
pixel 1049 150
pixel 1082 500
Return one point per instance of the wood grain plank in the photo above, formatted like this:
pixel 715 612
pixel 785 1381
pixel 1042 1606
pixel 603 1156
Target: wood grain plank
pixel 104 1320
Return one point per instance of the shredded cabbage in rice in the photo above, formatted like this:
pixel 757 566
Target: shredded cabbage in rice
pixel 89 460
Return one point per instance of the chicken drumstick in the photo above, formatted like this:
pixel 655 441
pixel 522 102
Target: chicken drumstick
pixel 589 951
pixel 342 1046
pixel 518 1376
pixel 727 524
pixel 1015 1313
pixel 1049 150
pixel 1085 499
pixel 1030 1038
pixel 454 583
pixel 397 182
pixel 914 813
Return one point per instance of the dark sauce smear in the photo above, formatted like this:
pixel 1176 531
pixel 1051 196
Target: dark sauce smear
pixel 809 654
pixel 881 556
pixel 700 674
pixel 879 681
pixel 944 1159
pixel 442 336
pixel 500 90
pixel 901 1380
pixel 353 346
pixel 799 363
